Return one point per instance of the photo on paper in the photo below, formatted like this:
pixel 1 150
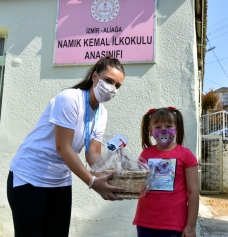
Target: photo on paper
pixel 116 142
pixel 164 173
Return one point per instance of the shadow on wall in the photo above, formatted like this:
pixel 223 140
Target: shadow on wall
pixel 112 219
pixel 59 72
pixel 33 24
pixel 164 10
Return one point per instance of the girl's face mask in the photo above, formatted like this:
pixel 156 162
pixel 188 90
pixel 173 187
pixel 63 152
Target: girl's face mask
pixel 104 91
pixel 164 136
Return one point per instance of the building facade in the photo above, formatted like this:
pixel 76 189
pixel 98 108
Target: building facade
pixel 223 95
pixel 29 80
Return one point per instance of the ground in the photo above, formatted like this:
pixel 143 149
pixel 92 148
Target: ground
pixel 217 202
pixel 213 215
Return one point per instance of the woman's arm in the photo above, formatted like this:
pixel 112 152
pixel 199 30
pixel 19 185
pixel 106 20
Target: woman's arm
pixel 94 152
pixel 191 175
pixel 64 138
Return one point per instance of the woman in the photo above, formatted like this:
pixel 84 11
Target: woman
pixel 39 181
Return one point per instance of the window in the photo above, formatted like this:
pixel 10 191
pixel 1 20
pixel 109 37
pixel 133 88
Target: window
pixel 2 69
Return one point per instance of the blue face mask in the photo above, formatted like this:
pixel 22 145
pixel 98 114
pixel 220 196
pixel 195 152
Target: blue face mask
pixel 164 136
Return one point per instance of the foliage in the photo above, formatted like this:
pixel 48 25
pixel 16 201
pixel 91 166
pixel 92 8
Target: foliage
pixel 211 101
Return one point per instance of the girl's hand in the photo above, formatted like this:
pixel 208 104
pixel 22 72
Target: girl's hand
pixel 102 187
pixel 189 232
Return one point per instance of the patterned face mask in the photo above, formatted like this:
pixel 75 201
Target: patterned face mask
pixel 164 136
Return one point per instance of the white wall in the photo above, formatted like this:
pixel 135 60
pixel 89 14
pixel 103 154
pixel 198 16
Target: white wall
pixel 29 87
pixel 225 167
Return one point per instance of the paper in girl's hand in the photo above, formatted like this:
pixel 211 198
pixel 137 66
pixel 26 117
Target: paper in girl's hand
pixel 116 142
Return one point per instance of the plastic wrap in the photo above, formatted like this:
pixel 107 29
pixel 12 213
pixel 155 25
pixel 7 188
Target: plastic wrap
pixel 131 172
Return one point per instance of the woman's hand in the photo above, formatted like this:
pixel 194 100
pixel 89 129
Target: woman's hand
pixel 100 184
pixel 102 187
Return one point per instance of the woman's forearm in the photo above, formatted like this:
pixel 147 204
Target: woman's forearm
pixel 73 161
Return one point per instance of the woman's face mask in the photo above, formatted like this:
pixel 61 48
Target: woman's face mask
pixel 104 91
pixel 164 136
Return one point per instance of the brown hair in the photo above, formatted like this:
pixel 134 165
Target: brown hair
pixel 170 114
pixel 100 66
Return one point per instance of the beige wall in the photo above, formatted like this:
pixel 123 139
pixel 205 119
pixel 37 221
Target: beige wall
pixel 29 87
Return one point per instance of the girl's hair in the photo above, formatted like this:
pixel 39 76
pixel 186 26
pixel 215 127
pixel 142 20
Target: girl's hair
pixel 170 115
pixel 100 66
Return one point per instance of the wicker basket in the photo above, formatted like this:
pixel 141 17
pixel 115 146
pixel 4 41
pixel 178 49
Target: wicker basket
pixel 133 181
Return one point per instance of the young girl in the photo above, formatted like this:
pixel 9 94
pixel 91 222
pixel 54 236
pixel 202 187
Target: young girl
pixel 170 208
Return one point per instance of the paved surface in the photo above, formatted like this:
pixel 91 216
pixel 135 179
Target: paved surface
pixel 213 227
pixel 210 225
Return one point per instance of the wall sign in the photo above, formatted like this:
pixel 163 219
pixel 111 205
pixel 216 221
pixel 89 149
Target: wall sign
pixel 88 30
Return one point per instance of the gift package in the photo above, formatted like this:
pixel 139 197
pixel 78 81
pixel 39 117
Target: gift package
pixel 131 171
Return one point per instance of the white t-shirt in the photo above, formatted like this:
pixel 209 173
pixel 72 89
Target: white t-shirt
pixel 37 161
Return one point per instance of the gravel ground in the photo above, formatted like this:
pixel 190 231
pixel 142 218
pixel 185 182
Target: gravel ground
pixel 213 215
pixel 217 203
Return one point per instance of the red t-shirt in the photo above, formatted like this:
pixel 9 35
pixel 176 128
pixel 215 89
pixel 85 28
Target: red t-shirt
pixel 165 205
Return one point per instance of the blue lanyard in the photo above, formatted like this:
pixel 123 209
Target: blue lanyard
pixel 87 118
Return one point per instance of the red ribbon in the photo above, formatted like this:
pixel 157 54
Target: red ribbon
pixel 172 108
pixel 169 107
pixel 151 111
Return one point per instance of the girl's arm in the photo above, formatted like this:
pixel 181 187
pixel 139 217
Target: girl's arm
pixel 64 138
pixel 191 175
